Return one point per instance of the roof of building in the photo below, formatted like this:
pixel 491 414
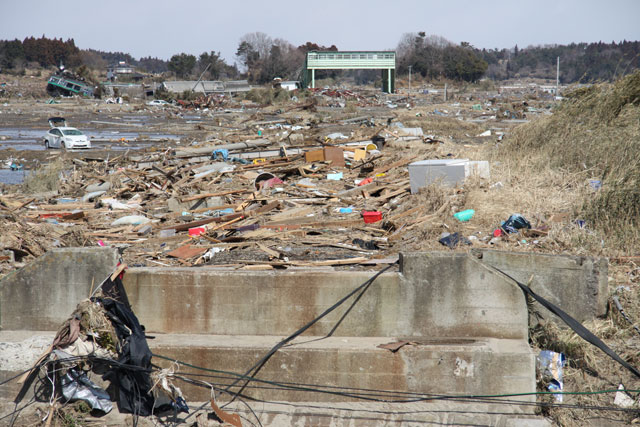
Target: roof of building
pixel 206 86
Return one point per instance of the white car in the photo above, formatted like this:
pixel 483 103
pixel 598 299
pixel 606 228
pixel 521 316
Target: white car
pixel 62 136
pixel 159 102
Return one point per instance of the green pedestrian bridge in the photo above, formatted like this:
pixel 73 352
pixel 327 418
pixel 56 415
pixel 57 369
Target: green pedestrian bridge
pixel 351 60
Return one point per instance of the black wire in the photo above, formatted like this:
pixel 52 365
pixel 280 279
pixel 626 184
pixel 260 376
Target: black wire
pixel 464 399
pixel 17 411
pixel 16 376
pixel 307 387
pixel 256 368
pixel 353 304
pixel 204 384
pixel 417 397
pixel 576 326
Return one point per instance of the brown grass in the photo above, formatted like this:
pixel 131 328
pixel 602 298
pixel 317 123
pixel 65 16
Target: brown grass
pixel 594 134
pixel 45 178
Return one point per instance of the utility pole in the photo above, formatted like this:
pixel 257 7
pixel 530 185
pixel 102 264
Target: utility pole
pixel 200 78
pixel 558 77
pixel 410 81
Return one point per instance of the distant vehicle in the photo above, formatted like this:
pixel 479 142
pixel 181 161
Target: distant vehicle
pixel 67 84
pixel 159 102
pixel 62 136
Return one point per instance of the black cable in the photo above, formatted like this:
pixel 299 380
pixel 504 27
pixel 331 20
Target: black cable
pixel 577 327
pixel 204 384
pixel 415 396
pixel 17 411
pixel 464 399
pixel 16 376
pixel 256 368
pixel 353 304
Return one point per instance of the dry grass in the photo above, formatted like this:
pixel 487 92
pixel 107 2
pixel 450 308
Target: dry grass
pixel 443 127
pixel 594 134
pixel 44 178
pixel 268 96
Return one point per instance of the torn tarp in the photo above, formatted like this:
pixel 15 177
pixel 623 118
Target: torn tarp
pixel 132 381
pixel 77 386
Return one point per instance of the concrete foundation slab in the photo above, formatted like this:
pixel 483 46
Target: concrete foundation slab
pixel 44 293
pixel 444 366
pixel 577 284
pixel 467 324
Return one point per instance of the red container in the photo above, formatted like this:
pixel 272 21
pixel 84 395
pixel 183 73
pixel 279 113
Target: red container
pixel 365 181
pixel 196 231
pixel 371 216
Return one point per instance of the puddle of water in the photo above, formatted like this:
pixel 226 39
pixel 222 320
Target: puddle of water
pixel 7 176
pixel 31 139
pixel 22 145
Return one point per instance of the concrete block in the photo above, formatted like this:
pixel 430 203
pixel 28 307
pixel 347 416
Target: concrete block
pixel 450 172
pixel 45 292
pixel 186 300
pixel 457 296
pixel 477 169
pixel 577 284
pixel 472 366
pixel 437 295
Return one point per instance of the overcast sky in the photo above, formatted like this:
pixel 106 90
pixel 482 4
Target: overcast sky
pixel 162 28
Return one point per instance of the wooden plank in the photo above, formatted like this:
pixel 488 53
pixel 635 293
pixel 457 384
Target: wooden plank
pixel 188 225
pixel 263 209
pixel 225 224
pixel 357 190
pixel 319 224
pixel 187 251
pixel 329 262
pixel 393 165
pixel 405 213
pixel 289 215
pixel 66 207
pixel 404 189
pixel 268 251
pixel 205 195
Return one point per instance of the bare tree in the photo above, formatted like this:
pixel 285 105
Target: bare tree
pixel 260 42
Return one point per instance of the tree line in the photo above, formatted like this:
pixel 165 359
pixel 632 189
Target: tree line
pixel 261 58
pixel 579 62
pixel 42 51
pixel 435 57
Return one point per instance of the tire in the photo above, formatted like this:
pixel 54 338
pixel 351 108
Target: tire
pixel 46 144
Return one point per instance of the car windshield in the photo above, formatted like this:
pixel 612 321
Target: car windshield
pixel 72 132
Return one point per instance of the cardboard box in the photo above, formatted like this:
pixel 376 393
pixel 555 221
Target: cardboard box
pixel 314 156
pixel 335 155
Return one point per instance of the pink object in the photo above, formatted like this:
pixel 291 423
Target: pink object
pixel 196 231
pixel 101 243
pixel 371 216
pixel 271 182
pixel 497 232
